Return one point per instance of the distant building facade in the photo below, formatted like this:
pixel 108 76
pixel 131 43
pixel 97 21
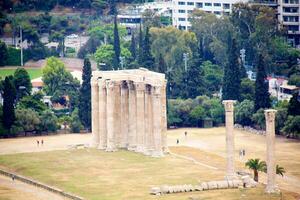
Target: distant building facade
pixel 181 10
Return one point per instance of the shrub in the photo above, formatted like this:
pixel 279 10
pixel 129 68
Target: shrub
pixel 244 112
pixel 292 126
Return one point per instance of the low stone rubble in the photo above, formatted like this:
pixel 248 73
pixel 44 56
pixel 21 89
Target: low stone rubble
pixel 250 129
pixel 244 181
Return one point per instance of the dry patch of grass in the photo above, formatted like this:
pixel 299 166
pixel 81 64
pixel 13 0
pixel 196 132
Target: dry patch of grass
pixel 94 174
pixel 11 194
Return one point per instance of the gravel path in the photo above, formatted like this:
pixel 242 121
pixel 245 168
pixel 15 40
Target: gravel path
pixel 26 191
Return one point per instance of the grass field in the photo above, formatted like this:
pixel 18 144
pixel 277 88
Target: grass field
pixel 33 73
pixel 94 174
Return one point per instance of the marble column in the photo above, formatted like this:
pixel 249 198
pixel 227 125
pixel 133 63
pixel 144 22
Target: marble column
pixel 110 103
pixel 117 113
pixel 132 117
pixel 229 108
pixel 270 137
pixel 148 120
pixel 95 112
pixel 102 114
pixel 124 114
pixel 164 118
pixel 156 109
pixel 140 115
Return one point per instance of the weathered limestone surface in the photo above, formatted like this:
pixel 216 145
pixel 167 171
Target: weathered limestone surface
pixel 229 121
pixel 270 137
pixel 129 111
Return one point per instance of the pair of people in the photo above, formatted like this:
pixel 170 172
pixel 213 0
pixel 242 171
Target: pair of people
pixel 38 142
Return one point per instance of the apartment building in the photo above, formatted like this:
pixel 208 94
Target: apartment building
pixel 182 9
pixel 288 16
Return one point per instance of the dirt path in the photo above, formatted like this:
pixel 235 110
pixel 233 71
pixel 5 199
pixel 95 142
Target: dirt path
pixel 10 190
pixel 53 142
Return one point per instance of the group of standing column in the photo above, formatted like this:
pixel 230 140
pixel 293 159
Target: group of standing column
pixel 129 115
pixel 270 143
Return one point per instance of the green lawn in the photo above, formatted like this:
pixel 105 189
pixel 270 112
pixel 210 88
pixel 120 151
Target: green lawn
pixel 33 73
pixel 95 174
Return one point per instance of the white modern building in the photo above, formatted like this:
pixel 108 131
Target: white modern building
pixel 182 9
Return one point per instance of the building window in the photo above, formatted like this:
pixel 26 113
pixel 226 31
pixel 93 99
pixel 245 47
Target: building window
pixel 181 3
pixel 199 5
pixel 207 4
pixel 190 11
pixel 181 11
pixel 217 4
pixel 217 12
pixel 293 28
pixel 226 6
pixel 190 3
pixel 291 1
pixel 290 18
pixel 181 19
pixel 182 27
pixel 290 9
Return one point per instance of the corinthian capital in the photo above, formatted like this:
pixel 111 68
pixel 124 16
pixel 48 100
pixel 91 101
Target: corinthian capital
pixel 229 105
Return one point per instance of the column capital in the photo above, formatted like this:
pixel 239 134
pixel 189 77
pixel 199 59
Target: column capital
pixel 156 90
pixel 94 81
pixel 229 105
pixel 270 115
pixel 139 86
pixel 101 83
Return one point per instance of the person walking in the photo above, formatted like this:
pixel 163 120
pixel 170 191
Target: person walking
pixel 42 142
pixel 177 141
pixel 38 142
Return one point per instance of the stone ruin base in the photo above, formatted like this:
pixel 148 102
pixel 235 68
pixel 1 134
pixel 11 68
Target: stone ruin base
pixel 243 182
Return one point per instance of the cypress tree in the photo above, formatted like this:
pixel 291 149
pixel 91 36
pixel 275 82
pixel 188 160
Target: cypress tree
pixel 161 65
pixel 232 79
pixel 148 60
pixel 3 53
pixel 85 95
pixel 262 96
pixel 22 83
pixel 195 84
pixel 140 50
pixel 117 48
pixel 294 105
pixel 9 96
pixel 133 47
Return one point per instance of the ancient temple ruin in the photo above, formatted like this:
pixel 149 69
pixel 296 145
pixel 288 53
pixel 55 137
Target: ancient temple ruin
pixel 129 111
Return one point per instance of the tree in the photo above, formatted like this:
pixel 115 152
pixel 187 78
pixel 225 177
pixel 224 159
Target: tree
pixel 140 49
pixel 259 119
pixel 147 59
pixel 294 105
pixel 105 54
pixel 194 85
pixel 231 80
pixel 213 75
pixel 247 89
pixel 256 165
pixel 3 53
pixel 244 112
pixel 117 48
pixel 58 82
pixel 22 83
pixel 85 95
pixel 27 120
pixel 9 96
pixel 262 96
pixel 292 126
pixel 48 121
pixel 161 65
pixel 133 47
pixel 33 102
pixel 280 170
pixel 75 122
pixel 197 114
